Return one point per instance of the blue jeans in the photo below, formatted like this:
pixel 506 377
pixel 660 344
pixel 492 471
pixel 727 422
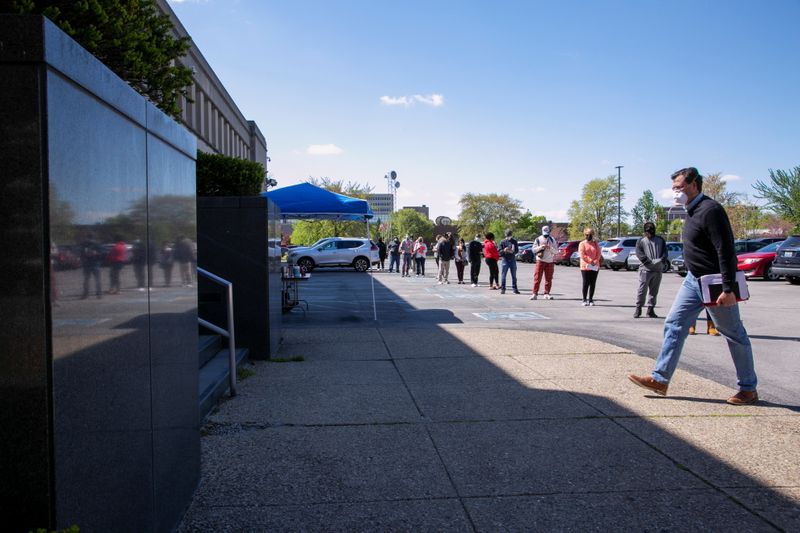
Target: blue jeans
pixel 394 262
pixel 512 266
pixel 687 305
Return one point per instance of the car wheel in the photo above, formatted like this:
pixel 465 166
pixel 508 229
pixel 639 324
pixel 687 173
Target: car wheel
pixel 794 280
pixel 628 266
pixel 615 268
pixel 307 263
pixel 361 264
pixel 770 275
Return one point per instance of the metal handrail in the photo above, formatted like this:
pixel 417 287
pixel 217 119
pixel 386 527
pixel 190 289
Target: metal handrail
pixel 229 333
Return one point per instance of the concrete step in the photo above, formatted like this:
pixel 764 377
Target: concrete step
pixel 213 382
pixel 207 347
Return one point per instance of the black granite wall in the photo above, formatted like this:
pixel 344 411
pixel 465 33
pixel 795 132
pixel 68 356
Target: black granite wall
pixel 98 350
pixel 238 240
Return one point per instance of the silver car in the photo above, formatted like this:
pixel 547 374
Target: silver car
pixel 617 250
pixel 674 249
pixel 360 253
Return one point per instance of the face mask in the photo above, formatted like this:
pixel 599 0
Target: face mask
pixel 589 237
pixel 680 197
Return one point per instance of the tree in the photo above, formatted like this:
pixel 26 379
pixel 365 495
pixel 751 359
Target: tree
pixel 597 208
pixel 131 37
pixel 676 229
pixel 777 226
pixel 528 226
pixel 714 187
pixel 411 222
pixel 782 194
pixel 661 219
pixel 351 188
pixel 745 218
pixel 478 211
pixel 645 210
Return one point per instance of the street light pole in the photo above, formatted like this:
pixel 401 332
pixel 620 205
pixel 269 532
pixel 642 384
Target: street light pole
pixel 619 200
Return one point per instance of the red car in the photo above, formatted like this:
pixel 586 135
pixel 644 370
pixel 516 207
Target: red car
pixel 758 264
pixel 565 251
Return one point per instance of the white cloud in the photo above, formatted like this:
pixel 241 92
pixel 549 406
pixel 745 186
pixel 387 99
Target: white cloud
pixel 433 100
pixel 665 194
pixel 730 177
pixel 555 216
pixel 323 149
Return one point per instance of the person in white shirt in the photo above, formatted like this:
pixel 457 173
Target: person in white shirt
pixel 545 247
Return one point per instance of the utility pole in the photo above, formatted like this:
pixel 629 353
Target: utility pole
pixel 619 200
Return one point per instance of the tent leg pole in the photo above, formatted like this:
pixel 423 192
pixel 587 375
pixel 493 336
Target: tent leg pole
pixel 372 278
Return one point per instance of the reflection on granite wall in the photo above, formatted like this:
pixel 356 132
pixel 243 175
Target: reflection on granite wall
pixel 274 267
pixel 99 379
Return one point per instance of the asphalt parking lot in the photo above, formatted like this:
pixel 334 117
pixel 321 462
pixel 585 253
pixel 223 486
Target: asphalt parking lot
pixel 342 296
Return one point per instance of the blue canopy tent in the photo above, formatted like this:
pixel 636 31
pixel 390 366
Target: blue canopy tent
pixel 306 201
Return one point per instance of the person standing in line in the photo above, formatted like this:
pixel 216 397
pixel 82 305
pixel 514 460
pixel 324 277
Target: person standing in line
pixel 436 251
pixel 91 259
pixel 116 260
pixel 461 260
pixel 545 247
pixel 591 260
pixel 183 253
pixel 420 249
pixel 407 249
pixel 445 249
pixel 508 252
pixel 652 252
pixel 475 252
pixel 492 256
pixel 166 261
pixel 708 248
pixel 394 255
pixel 381 254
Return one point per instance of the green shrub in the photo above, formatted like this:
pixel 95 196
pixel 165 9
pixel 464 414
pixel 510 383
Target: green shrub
pixel 221 175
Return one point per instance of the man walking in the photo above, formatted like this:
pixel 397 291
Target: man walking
pixel 475 249
pixel 545 247
pixel 508 252
pixel 652 252
pixel 707 249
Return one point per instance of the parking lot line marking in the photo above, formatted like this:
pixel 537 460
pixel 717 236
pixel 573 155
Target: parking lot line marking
pixel 521 315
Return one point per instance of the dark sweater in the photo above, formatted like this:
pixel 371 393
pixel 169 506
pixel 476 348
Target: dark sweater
pixel 708 242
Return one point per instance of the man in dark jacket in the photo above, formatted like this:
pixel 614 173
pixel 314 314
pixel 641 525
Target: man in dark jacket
pixel 652 252
pixel 475 250
pixel 707 249
pixel 508 252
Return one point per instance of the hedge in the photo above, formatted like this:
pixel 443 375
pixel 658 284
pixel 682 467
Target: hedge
pixel 221 175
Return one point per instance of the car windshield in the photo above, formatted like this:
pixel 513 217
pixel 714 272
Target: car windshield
pixel 792 242
pixel 770 247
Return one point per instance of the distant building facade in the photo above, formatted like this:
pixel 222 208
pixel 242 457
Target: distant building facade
pixel 212 115
pixel 676 212
pixel 422 209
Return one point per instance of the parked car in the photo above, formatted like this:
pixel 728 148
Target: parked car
pixel 745 246
pixel 758 264
pixel 768 240
pixel 575 259
pixel 359 253
pixel 787 260
pixel 525 254
pixel 679 266
pixel 565 251
pixel 617 250
pixel 674 249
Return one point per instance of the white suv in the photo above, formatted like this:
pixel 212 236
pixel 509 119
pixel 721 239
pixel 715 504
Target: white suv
pixel 615 252
pixel 357 252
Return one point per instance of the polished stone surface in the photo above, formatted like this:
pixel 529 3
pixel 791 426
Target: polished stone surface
pixel 99 354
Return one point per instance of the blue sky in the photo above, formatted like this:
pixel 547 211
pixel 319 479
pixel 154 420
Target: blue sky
pixel 531 98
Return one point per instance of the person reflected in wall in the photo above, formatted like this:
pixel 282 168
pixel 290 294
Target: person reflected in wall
pixel 381 254
pixel 475 253
pixel 394 255
pixel 116 260
pixel 139 261
pixel 166 261
pixel 184 253
pixel 492 257
pixel 91 260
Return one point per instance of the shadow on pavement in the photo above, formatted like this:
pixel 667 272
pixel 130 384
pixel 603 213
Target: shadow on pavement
pixel 412 423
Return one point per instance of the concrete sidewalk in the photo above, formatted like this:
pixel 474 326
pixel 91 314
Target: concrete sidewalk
pixel 449 428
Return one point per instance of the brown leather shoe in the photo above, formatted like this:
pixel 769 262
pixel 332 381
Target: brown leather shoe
pixel 646 382
pixel 744 397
